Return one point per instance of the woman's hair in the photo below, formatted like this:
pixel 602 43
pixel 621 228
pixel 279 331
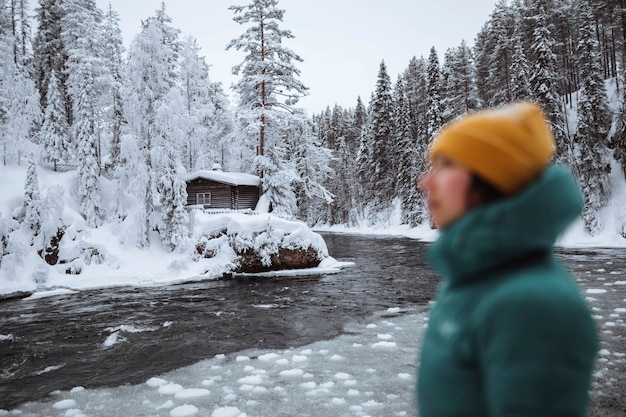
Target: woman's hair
pixel 481 192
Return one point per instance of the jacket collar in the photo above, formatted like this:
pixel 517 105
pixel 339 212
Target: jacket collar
pixel 493 235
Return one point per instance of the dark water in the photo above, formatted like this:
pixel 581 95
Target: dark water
pixel 58 342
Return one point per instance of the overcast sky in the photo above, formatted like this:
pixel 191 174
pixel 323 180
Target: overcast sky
pixel 342 42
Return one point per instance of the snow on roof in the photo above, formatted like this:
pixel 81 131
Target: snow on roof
pixel 231 178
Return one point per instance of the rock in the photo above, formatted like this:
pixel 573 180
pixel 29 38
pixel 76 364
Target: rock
pixel 51 253
pixel 250 261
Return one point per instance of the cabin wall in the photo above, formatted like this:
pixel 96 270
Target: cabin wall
pixel 223 195
pixel 220 193
pixel 246 197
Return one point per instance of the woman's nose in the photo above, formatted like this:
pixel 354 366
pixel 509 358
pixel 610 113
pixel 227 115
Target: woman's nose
pixel 423 180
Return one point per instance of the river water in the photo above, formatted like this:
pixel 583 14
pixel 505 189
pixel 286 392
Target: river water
pixel 59 342
pixel 65 341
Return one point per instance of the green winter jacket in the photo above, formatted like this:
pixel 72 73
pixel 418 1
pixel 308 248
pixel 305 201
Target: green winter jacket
pixel 509 334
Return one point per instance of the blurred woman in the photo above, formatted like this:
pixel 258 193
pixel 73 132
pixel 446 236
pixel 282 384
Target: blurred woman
pixel 509 335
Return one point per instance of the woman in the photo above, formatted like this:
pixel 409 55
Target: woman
pixel 510 334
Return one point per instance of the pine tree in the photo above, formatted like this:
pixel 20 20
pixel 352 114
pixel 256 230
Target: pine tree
pixel 434 107
pixel 54 132
pixel 269 80
pixel 32 200
pixel 268 87
pixel 594 121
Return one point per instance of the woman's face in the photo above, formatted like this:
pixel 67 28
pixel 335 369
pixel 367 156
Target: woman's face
pixel 447 186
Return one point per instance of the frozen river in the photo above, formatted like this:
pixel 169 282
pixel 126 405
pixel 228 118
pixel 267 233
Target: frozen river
pixel 340 344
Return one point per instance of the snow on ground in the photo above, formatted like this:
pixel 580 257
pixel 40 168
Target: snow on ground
pixel 368 372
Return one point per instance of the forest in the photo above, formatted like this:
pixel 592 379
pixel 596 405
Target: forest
pixel 72 97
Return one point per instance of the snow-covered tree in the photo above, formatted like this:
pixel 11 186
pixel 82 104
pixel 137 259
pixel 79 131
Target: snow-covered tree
pixel 268 87
pixel 269 77
pixel 406 157
pixel 54 134
pixel 279 177
pixel 114 115
pixel 434 106
pixel 151 75
pixel 544 80
pixel 200 144
pixel 19 109
pixel 312 166
pixel 174 226
pixel 460 94
pixel 49 50
pixel 87 81
pixel 520 72
pixel 594 120
pixel 32 200
pixel 379 179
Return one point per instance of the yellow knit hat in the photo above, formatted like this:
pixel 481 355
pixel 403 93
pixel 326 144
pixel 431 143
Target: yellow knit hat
pixel 507 147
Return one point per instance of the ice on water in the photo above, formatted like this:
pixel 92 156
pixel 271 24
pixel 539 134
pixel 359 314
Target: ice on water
pixel 365 372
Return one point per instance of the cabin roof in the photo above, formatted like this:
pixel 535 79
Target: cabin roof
pixel 231 178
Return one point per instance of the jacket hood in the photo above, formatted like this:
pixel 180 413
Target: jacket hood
pixel 491 235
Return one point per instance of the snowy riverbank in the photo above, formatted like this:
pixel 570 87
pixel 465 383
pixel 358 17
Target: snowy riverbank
pixel 90 258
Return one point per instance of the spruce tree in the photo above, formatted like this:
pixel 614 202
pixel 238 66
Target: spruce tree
pixel 406 155
pixel 594 120
pixel 544 81
pixel 520 72
pixel 49 50
pixel 114 117
pixel 150 109
pixel 54 134
pixel 174 226
pixel 379 138
pixel 32 200
pixel 434 106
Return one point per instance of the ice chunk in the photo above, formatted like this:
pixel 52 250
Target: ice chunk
pixel 384 345
pixel 184 411
pixel 155 382
pixel 385 336
pixel 292 372
pixel 251 380
pixel 192 393
pixel 226 412
pixel 169 389
pixel 242 358
pixel 596 291
pixel 299 358
pixel 64 404
pixel 268 357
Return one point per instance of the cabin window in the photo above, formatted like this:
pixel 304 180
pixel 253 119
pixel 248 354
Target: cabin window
pixel 203 198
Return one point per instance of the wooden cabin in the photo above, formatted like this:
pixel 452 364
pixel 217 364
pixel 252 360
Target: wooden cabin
pixel 223 190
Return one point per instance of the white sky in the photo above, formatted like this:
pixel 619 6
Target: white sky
pixel 341 41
